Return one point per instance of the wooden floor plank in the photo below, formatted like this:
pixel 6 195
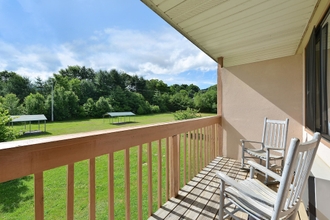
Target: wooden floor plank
pixel 200 199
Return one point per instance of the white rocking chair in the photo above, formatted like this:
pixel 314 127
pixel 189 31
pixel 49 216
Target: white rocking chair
pixel 257 199
pixel 272 145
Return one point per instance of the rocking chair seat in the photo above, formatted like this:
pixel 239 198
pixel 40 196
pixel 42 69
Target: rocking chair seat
pixel 261 153
pixel 262 206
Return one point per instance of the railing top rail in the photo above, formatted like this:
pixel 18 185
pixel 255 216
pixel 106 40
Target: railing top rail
pixel 25 157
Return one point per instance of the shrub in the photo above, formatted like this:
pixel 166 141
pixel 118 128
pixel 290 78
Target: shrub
pixel 6 132
pixel 186 114
pixel 154 108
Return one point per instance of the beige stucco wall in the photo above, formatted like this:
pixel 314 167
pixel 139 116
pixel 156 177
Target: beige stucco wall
pixel 250 92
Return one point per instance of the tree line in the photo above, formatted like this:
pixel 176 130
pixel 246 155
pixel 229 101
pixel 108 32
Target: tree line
pixel 80 92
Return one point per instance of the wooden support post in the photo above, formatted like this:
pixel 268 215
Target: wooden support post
pixel 39 196
pixel 168 179
pixel 149 154
pixel 189 155
pixel 111 187
pixel 70 192
pixel 92 187
pixel 160 203
pixel 127 185
pixel 219 108
pixel 140 203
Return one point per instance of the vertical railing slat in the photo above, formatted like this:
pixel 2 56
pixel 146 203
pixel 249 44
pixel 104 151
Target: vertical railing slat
pixel 160 203
pixel 149 179
pixel 111 187
pixel 178 144
pixel 127 185
pixel 208 145
pixel 213 144
pixel 185 159
pixel 167 169
pixel 70 192
pixel 140 214
pixel 200 140
pixel 92 189
pixel 174 166
pixel 201 151
pixel 215 141
pixel 39 196
pixel 196 152
pixel 205 146
pixel 189 155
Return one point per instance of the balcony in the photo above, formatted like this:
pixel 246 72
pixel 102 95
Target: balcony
pixel 166 157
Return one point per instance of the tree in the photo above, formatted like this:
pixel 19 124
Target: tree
pixel 6 132
pixel 120 99
pixel 139 85
pixel 138 104
pixel 102 106
pixel 206 101
pixel 162 101
pixel 192 90
pixel 88 90
pixel 35 104
pixel 154 86
pixel 16 84
pixel 75 87
pixel 180 101
pixel 90 108
pixel 78 72
pixel 175 88
pixel 127 79
pixel 116 80
pixel 121 91
pixel 11 103
pixel 40 86
pixel 66 105
pixel 62 81
pixel 103 83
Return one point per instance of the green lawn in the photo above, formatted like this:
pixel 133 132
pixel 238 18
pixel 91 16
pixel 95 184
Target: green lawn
pixel 17 199
pixel 76 126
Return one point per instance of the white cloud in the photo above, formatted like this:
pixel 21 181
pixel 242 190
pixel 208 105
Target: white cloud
pixel 164 55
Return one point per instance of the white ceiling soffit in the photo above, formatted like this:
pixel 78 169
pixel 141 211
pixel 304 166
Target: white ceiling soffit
pixel 241 31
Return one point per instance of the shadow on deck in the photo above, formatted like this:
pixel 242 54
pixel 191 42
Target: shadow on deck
pixel 199 199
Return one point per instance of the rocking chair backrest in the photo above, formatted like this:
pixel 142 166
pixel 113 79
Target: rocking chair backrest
pixel 275 134
pixel 295 174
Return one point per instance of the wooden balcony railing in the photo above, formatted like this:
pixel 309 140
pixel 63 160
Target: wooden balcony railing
pixel 181 149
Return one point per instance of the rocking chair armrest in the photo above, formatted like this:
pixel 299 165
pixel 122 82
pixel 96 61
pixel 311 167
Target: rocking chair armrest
pixel 255 142
pixel 263 169
pixel 228 179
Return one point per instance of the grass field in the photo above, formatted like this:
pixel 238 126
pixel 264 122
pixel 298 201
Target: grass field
pixel 77 126
pixel 17 196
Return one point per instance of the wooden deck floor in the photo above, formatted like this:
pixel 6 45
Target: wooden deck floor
pixel 199 199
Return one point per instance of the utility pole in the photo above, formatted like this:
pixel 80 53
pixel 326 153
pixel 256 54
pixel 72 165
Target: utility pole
pixel 52 100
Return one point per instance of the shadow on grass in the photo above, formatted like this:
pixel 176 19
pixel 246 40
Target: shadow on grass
pixel 13 193
pixel 34 134
pixel 123 122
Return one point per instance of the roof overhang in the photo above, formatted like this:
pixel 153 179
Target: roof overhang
pixel 25 118
pixel 241 31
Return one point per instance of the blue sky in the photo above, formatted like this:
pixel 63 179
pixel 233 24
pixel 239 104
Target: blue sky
pixel 40 37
